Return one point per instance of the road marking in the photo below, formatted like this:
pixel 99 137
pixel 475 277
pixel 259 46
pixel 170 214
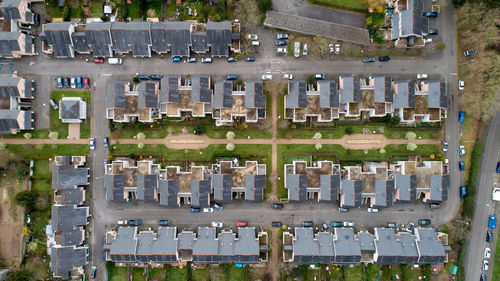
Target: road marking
pixel 106 74
pixel 453 73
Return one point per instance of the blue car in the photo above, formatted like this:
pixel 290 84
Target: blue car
pixel 463 192
pixel 250 59
pixel 498 167
pixel 431 14
pixel 461 117
pixel 59 82
pixel 461 165
pixel 280 43
pixel 232 77
pixel 176 59
pixel 79 82
pixel 492 222
pixel 194 210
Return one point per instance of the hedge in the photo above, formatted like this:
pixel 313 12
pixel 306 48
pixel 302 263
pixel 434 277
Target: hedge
pixel 468 205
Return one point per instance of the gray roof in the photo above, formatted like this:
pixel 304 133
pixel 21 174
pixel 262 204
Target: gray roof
pixel 254 96
pixel 408 247
pixel 430 248
pixel 132 36
pixel 114 185
pixel 200 193
pixel 351 91
pixel 328 94
pixel 406 186
pixel 347 248
pixel 160 248
pixel 69 176
pixel 123 247
pixel 437 95
pixel 222 186
pixel 70 109
pixel 73 237
pixel 351 190
pixel 382 89
pixel 254 187
pixel 412 20
pixel 366 241
pixel 205 246
pixel 64 259
pixel 199 42
pixel 219 38
pixel 8 86
pixel 388 248
pixel 167 191
pixel 297 187
pixel 200 89
pixel 8 120
pixel 296 97
pixel 169 91
pixel 116 95
pixel 178 37
pixel 28 44
pixel 223 96
pixel 405 95
pixel 67 217
pixel 186 240
pixel 72 196
pixel 384 191
pixel 9 43
pixel 146 185
pixel 147 95
pixel 80 42
pixel 58 37
pixel 304 247
pixel 395 26
pixel 10 9
pixel 439 185
pixel 98 38
pixel 329 187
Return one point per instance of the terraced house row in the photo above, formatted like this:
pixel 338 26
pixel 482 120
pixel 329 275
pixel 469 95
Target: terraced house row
pixel 173 186
pixel 16 97
pixel 66 234
pixel 172 96
pixel 378 184
pixel 141 39
pixel 13 42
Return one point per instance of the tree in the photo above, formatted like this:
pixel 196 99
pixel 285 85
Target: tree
pixel 349 131
pixel 139 125
pixel 3 146
pixel 264 5
pixel 239 81
pixel 26 199
pixel 230 146
pixel 199 129
pixel 22 169
pixel 310 79
pixel 411 146
pixel 27 136
pixel 53 135
pixel 140 145
pixel 141 136
pixel 317 136
pixel 230 135
pixel 65 13
pixel 21 275
pixel 411 136
pixel 395 120
pixel 318 146
pixel 382 151
pixel 137 80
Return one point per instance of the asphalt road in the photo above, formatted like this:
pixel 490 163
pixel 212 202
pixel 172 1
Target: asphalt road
pixel 484 206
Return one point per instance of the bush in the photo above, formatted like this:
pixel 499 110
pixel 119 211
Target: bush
pixel 22 170
pixel 349 131
pixel 3 146
pixel 230 146
pixel 264 5
pixel 139 125
pixel 230 135
pixel 199 129
pixel 411 136
pixel 22 275
pixel 411 146
pixel 65 13
pixel 475 165
pixel 141 136
pixel 136 80
pixel 395 120
pixel 310 79
pixel 239 81
pixel 26 199
pixel 53 135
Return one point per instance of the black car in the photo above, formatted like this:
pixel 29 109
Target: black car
pixel 483 277
pixel 66 82
pixel 343 210
pixel 276 224
pixel 156 77
pixel 232 59
pixel 164 222
pixel 489 236
pixel 307 224
pixel 384 58
pixel 36 19
pixel 134 222
pixel 424 222
pixel 369 59
pixel 280 43
pixel 277 206
pixel 433 32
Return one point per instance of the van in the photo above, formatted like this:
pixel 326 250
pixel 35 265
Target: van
pixel 115 61
pixel 255 43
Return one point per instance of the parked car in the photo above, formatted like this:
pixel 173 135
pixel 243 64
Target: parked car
pixel 492 221
pixel 498 167
pixel 369 59
pixel 216 224
pixel 93 272
pixel 232 77
pixel 122 222
pixel 307 224
pixel 253 37
pixel 337 49
pixel 280 36
pixel 145 77
pixel 67 82
pixel 330 49
pixel 106 141
pixel 98 60
pixel 232 59
pixel 164 222
pixel 461 150
pixel 435 205
pixel 176 59
pixel 208 210
pixel 304 50
pixel 255 43
pixel 36 19
pixel 296 49
pixel 250 59
pixel 482 277
pixel 485 265
pixel 218 206
pixel 433 32
pixel 427 40
pixel 206 60
pixel 424 222
pixel 325 226
pixel 267 77
pixel 156 76
pixel 445 146
pixel 487 253
pixel 241 223
pixel 336 224
pixel 372 210
pixel 391 225
pixel 92 143
pixel 115 61
pixel 461 165
pixel 191 60
pixel 79 82
pixel 489 236
pixel 287 76
pixel 469 52
pixel 384 58
pixel 86 83
pixel 430 14
pixel 281 51
pixel 194 210
pixel 280 43
pixel 463 192
pixel 496 194
pixel 134 222
pixel 461 117
pixel 421 76
pixel 276 206
pixel 319 76
pixel 53 104
pixel 348 224
pixel 59 82
pixel 343 210
pixel 461 85
pixel 276 224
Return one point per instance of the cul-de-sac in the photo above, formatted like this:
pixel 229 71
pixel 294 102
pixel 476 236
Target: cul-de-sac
pixel 245 140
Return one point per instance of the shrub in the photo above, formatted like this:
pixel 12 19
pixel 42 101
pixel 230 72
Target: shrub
pixel 136 80
pixel 264 5
pixel 22 170
pixel 27 136
pixel 318 146
pixel 139 125
pixel 475 165
pixel 230 135
pixel 53 135
pixel 26 199
pixel 411 136
pixel 349 131
pixel 230 146
pixel 395 120
pixel 140 145
pixel 3 146
pixel 310 79
pixel 317 136
pixel 239 81
pixel 141 136
pixel 382 151
pixel 199 129
pixel 411 146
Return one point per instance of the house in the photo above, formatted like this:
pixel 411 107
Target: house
pixel 16 95
pixel 16 44
pixel 98 38
pixel 185 185
pixel 409 26
pixel 134 37
pixel 219 38
pixel 383 247
pixel 126 105
pixel 69 176
pixel 373 98
pixel 176 97
pixel 17 10
pixel 72 110
pixel 68 261
pixel 13 86
pixel 58 37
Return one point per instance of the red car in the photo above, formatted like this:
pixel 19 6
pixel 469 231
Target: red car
pixel 241 223
pixel 98 60
pixel 86 83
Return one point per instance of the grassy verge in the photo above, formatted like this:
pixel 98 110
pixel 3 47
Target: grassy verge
pixel 354 5
pixel 468 204
pixel 39 151
pixel 496 265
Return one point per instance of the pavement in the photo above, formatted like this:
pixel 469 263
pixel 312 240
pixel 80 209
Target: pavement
pixel 484 206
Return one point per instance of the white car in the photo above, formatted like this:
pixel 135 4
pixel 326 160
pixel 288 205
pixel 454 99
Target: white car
pixel 296 49
pixel 348 223
pixel 421 76
pixel 461 150
pixel 337 49
pixel 92 143
pixel 73 82
pixel 206 60
pixel 427 41
pixel 330 49
pixel 216 224
pixel 304 50
pixel 486 265
pixel 281 50
pixel 372 210
pixel 267 77
pixel 461 85
pixel 253 37
pixel 122 222
pixel 496 194
pixel 287 76
pixel 487 253
pixel 208 210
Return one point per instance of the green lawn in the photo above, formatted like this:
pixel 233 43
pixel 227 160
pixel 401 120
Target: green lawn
pixel 389 272
pixel 354 5
pixel 334 272
pixel 176 273
pixel 97 9
pixel 54 12
pixel 41 186
pixel 56 123
pixel 45 151
pixel 496 264
pixel 117 273
pixel 134 10
pixel 198 6
pixel 372 272
pixel 138 274
pixel 237 274
pixel 353 273
pixel 200 274
pixel 41 169
pixel 410 273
